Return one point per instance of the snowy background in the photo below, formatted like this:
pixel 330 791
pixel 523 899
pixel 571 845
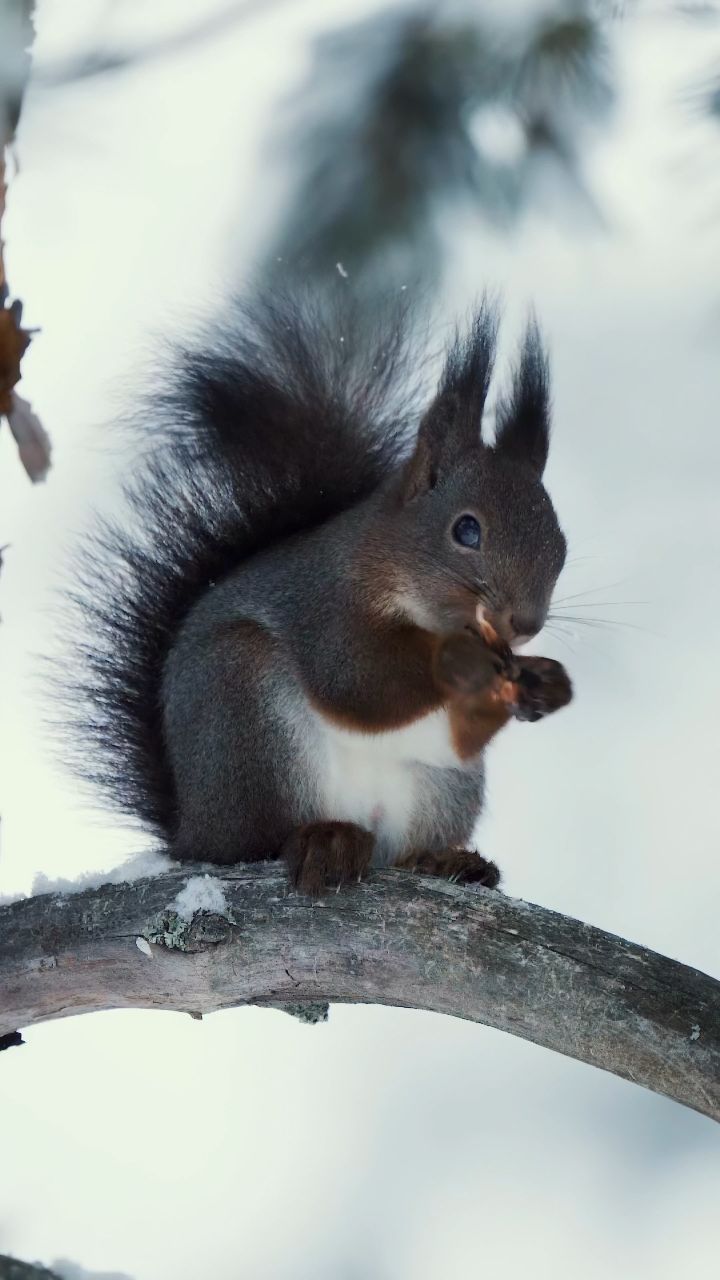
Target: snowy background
pixel 386 1145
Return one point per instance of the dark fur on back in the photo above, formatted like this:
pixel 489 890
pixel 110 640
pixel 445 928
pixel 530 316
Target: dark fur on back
pixel 281 419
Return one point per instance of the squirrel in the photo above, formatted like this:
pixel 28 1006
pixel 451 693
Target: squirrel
pixel 304 640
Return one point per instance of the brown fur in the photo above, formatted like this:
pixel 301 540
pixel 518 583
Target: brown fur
pixel 319 855
pixel 464 866
pixel 399 687
pixel 483 687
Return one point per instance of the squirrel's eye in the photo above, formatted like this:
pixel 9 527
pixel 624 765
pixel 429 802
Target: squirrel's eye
pixel 467 532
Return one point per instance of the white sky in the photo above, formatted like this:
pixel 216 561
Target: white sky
pixel 386 1145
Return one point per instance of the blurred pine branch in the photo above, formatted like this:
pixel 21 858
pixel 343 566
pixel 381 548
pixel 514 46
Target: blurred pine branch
pixel 405 113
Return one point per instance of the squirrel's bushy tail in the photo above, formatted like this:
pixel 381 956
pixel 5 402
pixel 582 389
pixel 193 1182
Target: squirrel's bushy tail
pixel 279 420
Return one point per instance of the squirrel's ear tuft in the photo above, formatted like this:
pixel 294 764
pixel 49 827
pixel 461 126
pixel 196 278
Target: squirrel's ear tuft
pixel 523 417
pixel 452 424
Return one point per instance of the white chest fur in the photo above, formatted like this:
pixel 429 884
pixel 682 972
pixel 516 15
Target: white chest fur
pixel 374 779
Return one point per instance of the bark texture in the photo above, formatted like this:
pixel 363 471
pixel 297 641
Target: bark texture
pixel 398 940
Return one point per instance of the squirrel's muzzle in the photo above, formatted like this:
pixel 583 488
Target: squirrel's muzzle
pixel 505 627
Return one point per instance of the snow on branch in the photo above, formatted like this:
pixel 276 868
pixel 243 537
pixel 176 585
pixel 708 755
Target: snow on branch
pixel 242 937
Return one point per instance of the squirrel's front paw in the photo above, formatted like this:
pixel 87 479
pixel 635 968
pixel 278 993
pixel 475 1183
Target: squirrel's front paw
pixel 540 687
pixel 324 855
pixel 464 664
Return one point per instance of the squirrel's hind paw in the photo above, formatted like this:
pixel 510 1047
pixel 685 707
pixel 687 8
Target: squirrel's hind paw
pixel 462 866
pixel 325 855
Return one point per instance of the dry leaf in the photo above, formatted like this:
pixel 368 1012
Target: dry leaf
pixel 31 437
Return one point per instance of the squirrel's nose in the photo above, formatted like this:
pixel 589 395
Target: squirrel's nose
pixel 511 628
pixel 525 625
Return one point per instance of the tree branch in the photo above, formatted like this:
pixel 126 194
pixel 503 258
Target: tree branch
pixel 16 36
pixel 396 940
pixel 15 1269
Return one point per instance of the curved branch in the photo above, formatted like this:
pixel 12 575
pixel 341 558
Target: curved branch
pixel 33 442
pixel 16 1269
pixel 396 940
